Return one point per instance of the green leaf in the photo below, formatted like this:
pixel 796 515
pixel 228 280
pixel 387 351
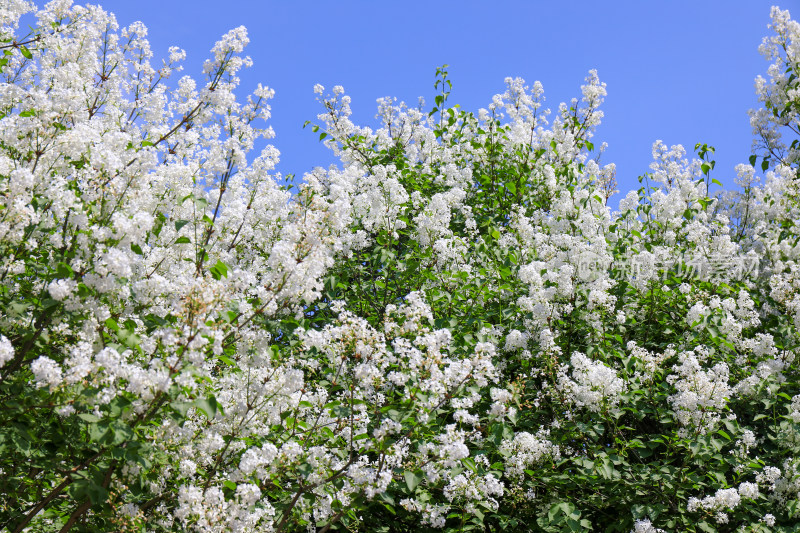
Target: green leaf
pixel 25 52
pixel 208 406
pixel 182 240
pixel 227 360
pixel 118 405
pixel 179 224
pixel 97 493
pixel 793 507
pixel 64 271
pixel 605 468
pixel 181 407
pixel 98 431
pixel 412 479
pixel 219 270
pixel 128 338
pixel 78 489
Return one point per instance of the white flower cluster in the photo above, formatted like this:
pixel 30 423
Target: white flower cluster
pixel 723 500
pixel 592 384
pixel 701 394
pixel 527 450
pixel 645 526
pixel 6 350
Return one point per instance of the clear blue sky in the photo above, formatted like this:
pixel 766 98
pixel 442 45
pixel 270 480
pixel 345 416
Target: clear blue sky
pixel 680 71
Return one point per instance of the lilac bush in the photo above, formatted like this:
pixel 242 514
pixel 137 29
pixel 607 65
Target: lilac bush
pixel 448 330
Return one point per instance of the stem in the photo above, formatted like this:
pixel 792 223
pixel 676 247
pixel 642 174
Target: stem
pixel 54 493
pixel 335 518
pixel 86 505
pixel 76 514
pixel 42 504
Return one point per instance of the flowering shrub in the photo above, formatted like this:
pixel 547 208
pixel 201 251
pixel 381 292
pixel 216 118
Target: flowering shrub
pixel 449 330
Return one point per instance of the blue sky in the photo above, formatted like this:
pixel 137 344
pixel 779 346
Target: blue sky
pixel 680 71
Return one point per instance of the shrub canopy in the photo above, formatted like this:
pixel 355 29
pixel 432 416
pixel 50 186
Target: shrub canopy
pixel 450 329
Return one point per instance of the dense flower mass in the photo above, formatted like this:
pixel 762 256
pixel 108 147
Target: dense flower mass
pixel 450 329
